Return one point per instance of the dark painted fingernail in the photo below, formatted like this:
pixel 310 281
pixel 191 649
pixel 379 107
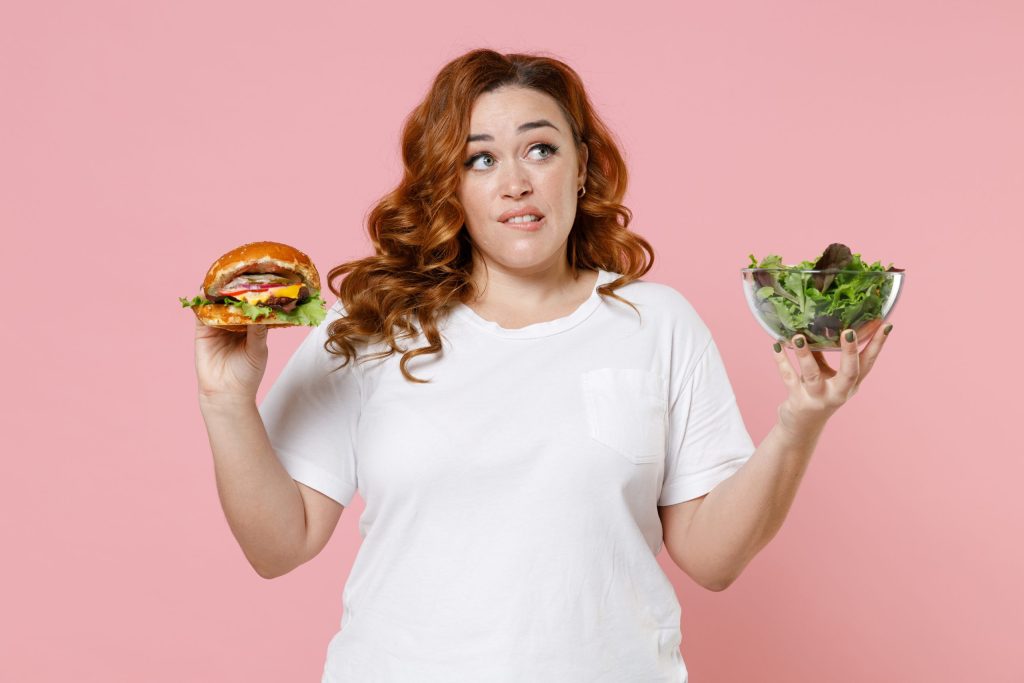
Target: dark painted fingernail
pixel 799 342
pixel 888 329
pixel 778 347
pixel 849 336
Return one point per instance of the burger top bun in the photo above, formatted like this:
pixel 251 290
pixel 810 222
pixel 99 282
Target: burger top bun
pixel 219 315
pixel 260 257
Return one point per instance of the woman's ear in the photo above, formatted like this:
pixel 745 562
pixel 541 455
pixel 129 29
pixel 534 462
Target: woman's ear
pixel 584 155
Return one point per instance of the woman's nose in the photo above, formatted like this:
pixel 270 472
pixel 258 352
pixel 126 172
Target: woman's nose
pixel 515 181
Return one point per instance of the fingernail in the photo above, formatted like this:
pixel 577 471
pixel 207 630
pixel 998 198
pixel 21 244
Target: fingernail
pixel 888 329
pixel 799 342
pixel 778 347
pixel 849 336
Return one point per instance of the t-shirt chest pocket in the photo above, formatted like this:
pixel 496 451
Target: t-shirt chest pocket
pixel 627 412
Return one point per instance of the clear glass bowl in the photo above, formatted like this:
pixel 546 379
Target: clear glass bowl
pixel 789 301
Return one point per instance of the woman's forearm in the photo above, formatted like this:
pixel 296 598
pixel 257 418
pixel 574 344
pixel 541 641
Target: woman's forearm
pixel 262 503
pixel 744 512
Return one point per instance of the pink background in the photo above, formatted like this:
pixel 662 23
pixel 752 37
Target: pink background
pixel 142 140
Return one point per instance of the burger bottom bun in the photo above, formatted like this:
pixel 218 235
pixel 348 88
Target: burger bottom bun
pixel 220 315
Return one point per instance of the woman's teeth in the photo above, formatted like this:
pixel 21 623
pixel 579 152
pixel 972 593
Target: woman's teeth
pixel 523 219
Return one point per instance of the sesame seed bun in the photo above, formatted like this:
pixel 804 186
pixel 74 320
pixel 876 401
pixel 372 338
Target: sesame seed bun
pixel 231 319
pixel 261 257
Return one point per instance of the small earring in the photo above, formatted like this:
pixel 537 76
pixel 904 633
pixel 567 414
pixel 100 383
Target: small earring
pixel 582 191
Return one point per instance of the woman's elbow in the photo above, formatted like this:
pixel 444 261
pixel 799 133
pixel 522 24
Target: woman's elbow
pixel 716 582
pixel 272 571
pixel 718 585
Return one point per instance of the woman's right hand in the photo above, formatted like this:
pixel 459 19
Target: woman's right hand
pixel 230 365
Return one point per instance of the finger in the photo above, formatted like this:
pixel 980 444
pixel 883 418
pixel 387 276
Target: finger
pixel 202 329
pixel 789 376
pixel 849 362
pixel 256 335
pixel 871 351
pixel 810 371
pixel 826 369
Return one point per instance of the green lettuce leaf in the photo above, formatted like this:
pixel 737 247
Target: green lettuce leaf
pixel 311 313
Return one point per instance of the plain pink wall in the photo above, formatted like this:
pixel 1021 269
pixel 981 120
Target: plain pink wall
pixel 141 140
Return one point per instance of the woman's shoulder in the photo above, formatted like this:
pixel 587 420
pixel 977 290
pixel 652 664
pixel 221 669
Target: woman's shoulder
pixel 660 298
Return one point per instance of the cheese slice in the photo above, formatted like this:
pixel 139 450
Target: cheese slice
pixel 254 298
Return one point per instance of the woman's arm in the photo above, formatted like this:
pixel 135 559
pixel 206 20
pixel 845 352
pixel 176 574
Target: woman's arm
pixel 278 525
pixel 714 537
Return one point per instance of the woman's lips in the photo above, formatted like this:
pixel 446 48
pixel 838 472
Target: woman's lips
pixel 526 227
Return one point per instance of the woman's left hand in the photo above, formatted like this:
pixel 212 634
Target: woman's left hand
pixel 818 391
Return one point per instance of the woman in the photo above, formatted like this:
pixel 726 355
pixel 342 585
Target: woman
pixel 551 420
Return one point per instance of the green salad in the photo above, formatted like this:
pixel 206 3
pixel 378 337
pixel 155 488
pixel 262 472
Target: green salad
pixel 846 293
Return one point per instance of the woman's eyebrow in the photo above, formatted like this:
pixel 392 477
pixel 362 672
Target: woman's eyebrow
pixel 540 123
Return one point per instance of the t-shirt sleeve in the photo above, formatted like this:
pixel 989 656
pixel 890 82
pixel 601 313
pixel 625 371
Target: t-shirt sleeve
pixel 311 415
pixel 707 440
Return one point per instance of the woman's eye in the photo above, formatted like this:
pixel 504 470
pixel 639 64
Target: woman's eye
pixel 471 163
pixel 548 150
pixel 487 161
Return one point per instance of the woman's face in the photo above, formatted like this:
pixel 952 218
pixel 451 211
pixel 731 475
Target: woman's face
pixel 520 156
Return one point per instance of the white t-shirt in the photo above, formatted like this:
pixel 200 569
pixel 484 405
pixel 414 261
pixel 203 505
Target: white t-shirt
pixel 511 523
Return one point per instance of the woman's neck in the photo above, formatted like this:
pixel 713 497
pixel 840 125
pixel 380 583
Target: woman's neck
pixel 516 299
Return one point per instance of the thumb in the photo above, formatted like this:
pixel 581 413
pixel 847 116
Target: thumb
pixel 256 333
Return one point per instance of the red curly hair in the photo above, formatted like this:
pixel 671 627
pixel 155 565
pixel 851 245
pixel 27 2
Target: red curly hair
pixel 423 256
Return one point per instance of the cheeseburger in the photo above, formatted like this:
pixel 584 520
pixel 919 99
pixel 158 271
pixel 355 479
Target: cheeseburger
pixel 260 283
